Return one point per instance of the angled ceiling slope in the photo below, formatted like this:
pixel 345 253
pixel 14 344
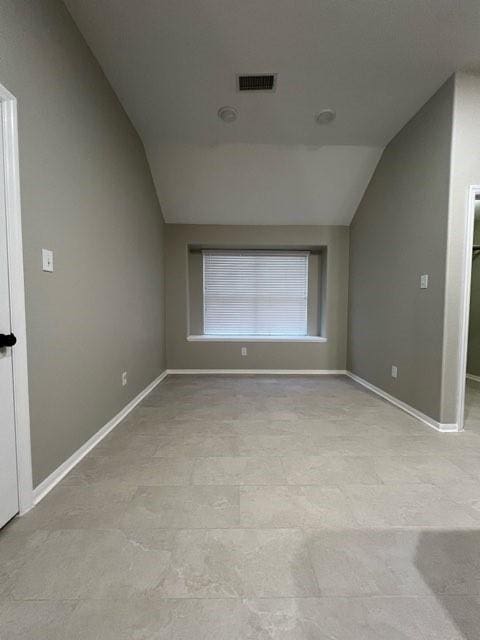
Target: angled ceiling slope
pixel 173 64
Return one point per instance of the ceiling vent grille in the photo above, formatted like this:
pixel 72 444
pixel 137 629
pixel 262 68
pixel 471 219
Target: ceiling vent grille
pixel 259 82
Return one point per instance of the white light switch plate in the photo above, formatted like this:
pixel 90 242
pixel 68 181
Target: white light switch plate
pixel 394 371
pixel 47 260
pixel 424 281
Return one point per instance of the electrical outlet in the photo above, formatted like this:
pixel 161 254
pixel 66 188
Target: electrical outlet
pixel 394 371
pixel 244 351
pixel 424 281
pixel 124 379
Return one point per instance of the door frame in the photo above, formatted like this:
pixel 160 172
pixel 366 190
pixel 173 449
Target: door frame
pixel 17 299
pixel 473 191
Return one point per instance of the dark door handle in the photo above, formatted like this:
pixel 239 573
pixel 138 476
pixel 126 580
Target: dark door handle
pixel 7 340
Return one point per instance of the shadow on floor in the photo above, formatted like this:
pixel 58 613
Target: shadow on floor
pixel 449 563
pixel 396 582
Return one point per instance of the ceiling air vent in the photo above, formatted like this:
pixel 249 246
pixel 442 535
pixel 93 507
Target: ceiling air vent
pixel 259 82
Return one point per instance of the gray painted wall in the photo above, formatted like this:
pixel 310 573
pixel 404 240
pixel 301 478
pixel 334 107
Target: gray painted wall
pixel 473 363
pixel 87 194
pixel 182 354
pixel 398 233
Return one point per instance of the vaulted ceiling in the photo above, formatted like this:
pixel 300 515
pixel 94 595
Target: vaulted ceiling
pixel 173 63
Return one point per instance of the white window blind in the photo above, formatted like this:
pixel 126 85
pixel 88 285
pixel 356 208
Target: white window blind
pixel 255 293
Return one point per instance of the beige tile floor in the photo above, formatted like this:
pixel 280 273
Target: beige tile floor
pixel 255 508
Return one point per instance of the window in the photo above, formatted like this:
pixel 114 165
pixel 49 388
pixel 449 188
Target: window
pixel 255 293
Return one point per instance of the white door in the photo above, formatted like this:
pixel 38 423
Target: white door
pixel 8 455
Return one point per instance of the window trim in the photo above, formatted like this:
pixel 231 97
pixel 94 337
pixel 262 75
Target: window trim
pixel 257 338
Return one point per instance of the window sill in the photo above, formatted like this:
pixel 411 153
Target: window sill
pixel 204 338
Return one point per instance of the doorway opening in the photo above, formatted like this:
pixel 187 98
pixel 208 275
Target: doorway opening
pixel 471 414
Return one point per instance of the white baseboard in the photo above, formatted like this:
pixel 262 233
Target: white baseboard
pixel 272 372
pixel 444 427
pixel 54 478
pixel 470 376
pixel 60 472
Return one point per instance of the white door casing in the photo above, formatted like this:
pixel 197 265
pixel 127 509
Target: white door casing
pixel 11 237
pixel 9 504
pixel 464 310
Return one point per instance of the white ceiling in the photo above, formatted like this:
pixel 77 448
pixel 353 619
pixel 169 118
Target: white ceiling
pixel 173 64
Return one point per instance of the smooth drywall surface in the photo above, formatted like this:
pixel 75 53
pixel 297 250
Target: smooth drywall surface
pixel 182 354
pixel 399 233
pixel 473 362
pixel 88 195
pixel 256 184
pixel 465 173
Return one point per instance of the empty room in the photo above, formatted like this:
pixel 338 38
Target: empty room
pixel 239 320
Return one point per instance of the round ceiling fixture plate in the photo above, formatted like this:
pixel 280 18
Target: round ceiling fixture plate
pixel 227 114
pixel 326 116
